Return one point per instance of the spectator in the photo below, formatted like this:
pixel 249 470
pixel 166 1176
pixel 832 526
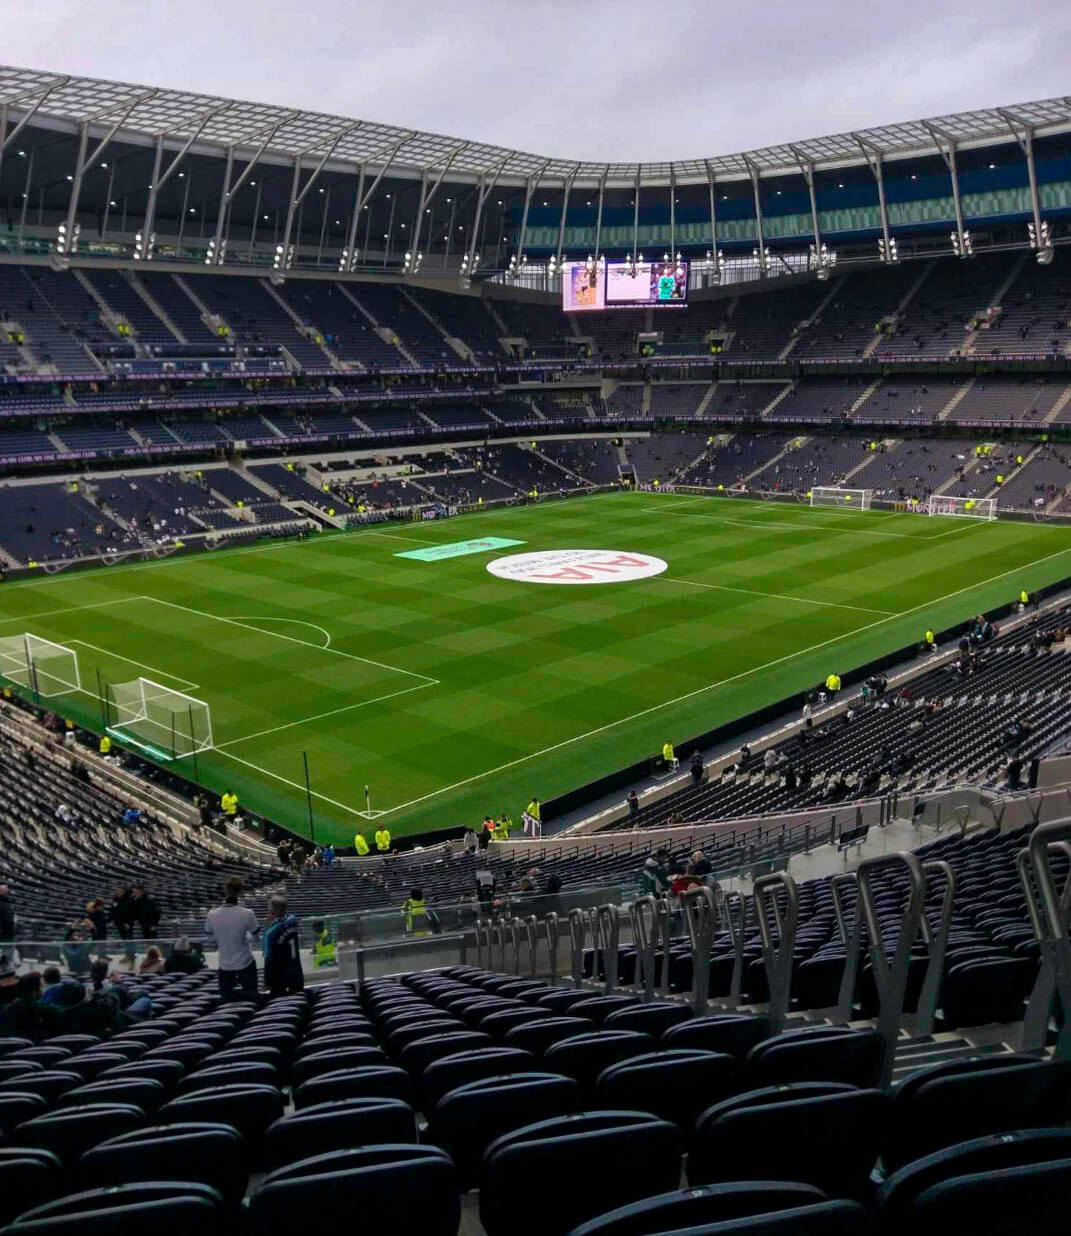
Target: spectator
pixel 184 958
pixel 146 913
pixel 483 839
pixel 701 864
pixel 97 916
pixel 471 840
pixel 7 916
pixel 652 878
pixel 117 1006
pixel 1015 773
pixel 769 760
pixel 77 946
pixel 25 1016
pixel 323 947
pixel 65 991
pixel 152 962
pixel 696 767
pixel 283 975
pixel 229 805
pixel 232 928
pixel 415 910
pixel 633 803
pixel 122 912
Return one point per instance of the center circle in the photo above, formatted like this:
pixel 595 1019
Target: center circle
pixel 577 566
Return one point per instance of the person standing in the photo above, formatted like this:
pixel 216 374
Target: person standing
pixel 532 819
pixel 232 928
pixel 283 975
pixel 360 844
pixel 7 916
pixel 415 909
pixel 145 912
pixel 229 805
pixel 95 913
pixel 122 912
pixel 382 838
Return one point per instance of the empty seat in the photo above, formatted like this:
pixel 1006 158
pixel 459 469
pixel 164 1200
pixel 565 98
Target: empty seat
pixel 735 1033
pixel 596 1160
pixel 831 1054
pixel 538 1036
pixel 404 1190
pixel 337 1125
pixel 28 1176
pixel 143 1092
pixel 68 1132
pixel 370 1082
pixel 472 1116
pixel 585 1056
pixel 15 1107
pixel 252 1073
pixel 417 1055
pixel 48 1083
pixel 676 1084
pixel 249 1109
pixel 825 1134
pixel 958 1101
pixel 210 1154
pixel 653 1019
pixel 713 1208
pixel 899 1196
pixel 599 1008
pixel 165 1209
pixel 442 1076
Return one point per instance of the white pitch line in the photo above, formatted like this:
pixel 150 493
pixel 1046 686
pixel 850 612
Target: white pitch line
pixel 289 638
pixel 778 596
pixel 67 609
pixel 416 540
pixel 190 686
pixel 421 686
pixel 791 656
pixel 755 523
pixel 286 781
pixel 296 621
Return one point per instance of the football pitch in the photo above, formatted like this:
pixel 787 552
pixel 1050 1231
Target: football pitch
pixel 452 692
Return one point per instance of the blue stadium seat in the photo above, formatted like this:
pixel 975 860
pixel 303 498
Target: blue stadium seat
pixel 828 1054
pixel 337 1125
pixel 163 1208
pixel 209 1153
pixel 28 1176
pixel 653 1019
pixel 418 1054
pixel 370 1082
pixel 446 1074
pixel 586 1055
pixel 249 1109
pixel 676 1084
pixel 404 1190
pixel 539 1036
pixel 69 1132
pixel 597 1161
pixel 734 1033
pixel 825 1134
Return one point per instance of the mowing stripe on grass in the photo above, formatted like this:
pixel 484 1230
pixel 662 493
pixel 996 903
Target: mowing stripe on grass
pixel 779 596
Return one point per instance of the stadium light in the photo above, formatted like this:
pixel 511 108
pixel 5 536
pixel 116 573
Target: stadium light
pixel 67 244
pixel 1041 241
pixel 284 258
pixel 888 253
pixel 348 260
pixel 762 257
pixel 215 254
pixel 144 246
pixel 821 259
pixel 964 248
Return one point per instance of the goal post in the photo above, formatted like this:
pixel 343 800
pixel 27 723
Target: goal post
pixel 846 499
pixel 164 723
pixel 39 664
pixel 961 508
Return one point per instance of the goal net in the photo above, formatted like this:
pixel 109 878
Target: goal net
pixel 39 665
pixel 847 499
pixel 164 723
pixel 962 508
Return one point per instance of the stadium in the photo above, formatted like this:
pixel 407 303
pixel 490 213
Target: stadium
pixel 606 626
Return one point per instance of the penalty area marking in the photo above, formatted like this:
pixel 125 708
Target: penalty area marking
pixel 298 622
pixel 791 656
pixel 118 656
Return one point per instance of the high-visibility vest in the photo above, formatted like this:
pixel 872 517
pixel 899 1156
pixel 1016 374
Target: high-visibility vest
pixel 360 844
pixel 382 839
pixel 832 683
pixel 416 916
pixel 323 950
pixel 533 808
pixel 105 745
pixel 929 637
pixel 667 752
pixel 1024 596
pixel 229 803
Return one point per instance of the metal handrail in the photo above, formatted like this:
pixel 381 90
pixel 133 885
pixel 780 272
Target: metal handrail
pixel 777 955
pixel 1049 910
pixel 609 919
pixel 936 943
pixel 851 939
pixel 578 922
pixel 553 927
pixel 733 908
pixel 890 975
pixel 700 915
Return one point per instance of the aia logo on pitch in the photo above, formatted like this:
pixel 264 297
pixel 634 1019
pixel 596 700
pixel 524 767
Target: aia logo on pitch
pixel 577 566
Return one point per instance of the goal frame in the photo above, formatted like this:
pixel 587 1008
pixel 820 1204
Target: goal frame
pixel 148 693
pixel 865 497
pixel 961 508
pixel 27 664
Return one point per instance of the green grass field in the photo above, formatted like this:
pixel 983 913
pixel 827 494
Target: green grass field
pixel 452 693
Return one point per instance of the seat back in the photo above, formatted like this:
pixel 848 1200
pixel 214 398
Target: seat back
pixel 325 1127
pixel 28 1176
pixel 164 1209
pixel 676 1084
pixel 734 1033
pixel 835 1054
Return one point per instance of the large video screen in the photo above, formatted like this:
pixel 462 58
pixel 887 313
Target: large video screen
pixel 583 288
pixel 646 284
pixel 622 285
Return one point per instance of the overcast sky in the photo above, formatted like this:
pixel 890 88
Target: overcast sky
pixel 586 79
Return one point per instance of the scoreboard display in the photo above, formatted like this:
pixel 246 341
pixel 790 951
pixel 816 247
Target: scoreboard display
pixel 624 285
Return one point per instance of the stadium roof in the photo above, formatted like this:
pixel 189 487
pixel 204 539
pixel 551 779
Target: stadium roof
pixel 219 123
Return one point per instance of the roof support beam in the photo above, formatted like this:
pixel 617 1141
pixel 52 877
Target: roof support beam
pixel 229 190
pixel 713 192
pixel 470 261
pixel 39 97
pixel 1024 135
pixel 760 250
pixel 874 162
pixel 349 253
pixel 636 214
pixel 672 214
pixel 427 196
pixel 296 197
pixel 946 146
pixel 159 180
pixel 529 188
pixel 598 216
pixel 807 168
pixel 568 188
